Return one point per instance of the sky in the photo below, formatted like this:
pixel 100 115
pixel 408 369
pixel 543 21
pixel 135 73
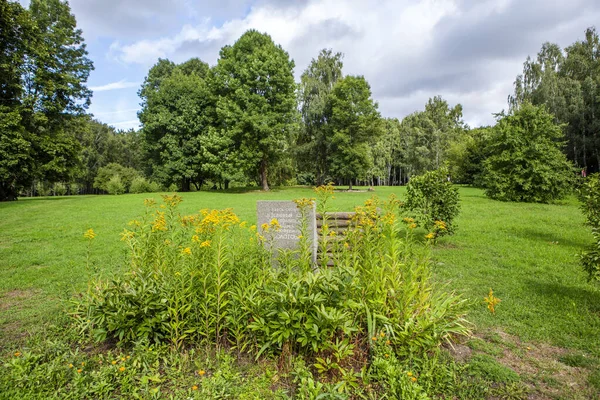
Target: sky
pixel 467 51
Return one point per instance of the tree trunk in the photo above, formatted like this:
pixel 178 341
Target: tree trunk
pixel 185 185
pixel 350 184
pixel 263 175
pixel 226 184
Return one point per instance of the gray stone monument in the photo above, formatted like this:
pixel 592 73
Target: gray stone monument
pixel 288 215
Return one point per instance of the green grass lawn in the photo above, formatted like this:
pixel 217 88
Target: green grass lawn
pixel 526 253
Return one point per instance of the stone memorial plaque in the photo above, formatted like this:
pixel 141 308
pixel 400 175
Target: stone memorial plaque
pixel 288 216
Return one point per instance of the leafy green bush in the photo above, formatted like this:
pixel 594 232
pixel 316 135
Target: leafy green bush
pixel 59 189
pixel 525 160
pixel 115 185
pixel 432 200
pixel 139 185
pixel 106 173
pixel 589 195
pixel 153 187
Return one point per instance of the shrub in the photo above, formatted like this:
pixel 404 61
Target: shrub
pixel 589 194
pixel 105 174
pixel 139 185
pixel 153 187
pixel 115 185
pixel 59 189
pixel 432 200
pixel 525 160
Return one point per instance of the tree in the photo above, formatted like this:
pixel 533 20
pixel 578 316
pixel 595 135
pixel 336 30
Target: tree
pixel 355 125
pixel 316 84
pixel 16 158
pixel 427 135
pixel 466 154
pixel 44 67
pixel 256 102
pixel 525 161
pixel 177 113
pixel 567 82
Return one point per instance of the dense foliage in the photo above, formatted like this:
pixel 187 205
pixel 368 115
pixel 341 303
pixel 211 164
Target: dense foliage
pixel 208 279
pixel 432 202
pixel 589 195
pixel 43 70
pixel 525 161
pixel 567 82
pixel 256 103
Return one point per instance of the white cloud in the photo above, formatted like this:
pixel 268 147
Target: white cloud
pixel 467 51
pixel 122 84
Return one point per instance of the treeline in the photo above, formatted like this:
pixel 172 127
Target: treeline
pixel 245 121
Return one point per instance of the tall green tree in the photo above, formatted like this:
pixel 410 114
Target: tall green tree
pixel 567 82
pixel 525 160
pixel 316 83
pixel 177 113
pixel 256 102
pixel 355 126
pixel 427 135
pixel 16 158
pixel 45 64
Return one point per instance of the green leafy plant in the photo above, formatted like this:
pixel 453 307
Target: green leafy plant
pixel 589 194
pixel 432 200
pixel 525 161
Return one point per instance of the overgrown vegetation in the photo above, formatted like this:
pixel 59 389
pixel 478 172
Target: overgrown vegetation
pixel 589 194
pixel 207 279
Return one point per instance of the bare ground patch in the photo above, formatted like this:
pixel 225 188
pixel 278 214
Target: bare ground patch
pixel 537 364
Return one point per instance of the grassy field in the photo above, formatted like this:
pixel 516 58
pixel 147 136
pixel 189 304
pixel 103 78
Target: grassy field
pixel 546 328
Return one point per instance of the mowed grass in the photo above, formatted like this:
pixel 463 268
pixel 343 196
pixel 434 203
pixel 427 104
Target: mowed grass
pixel 527 253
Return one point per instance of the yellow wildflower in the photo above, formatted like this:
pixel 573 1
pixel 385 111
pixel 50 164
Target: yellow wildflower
pixel 206 243
pixel 408 220
pixel 441 225
pixel 243 224
pixel 388 342
pixel 195 238
pixel 127 235
pixel 195 387
pixel 382 334
pixel 173 200
pixel 265 227
pixel 89 234
pixel 70 365
pixel 121 369
pixel 17 353
pixel 186 251
pixel 430 235
pixel 160 223
pixel 149 202
pixel 201 372
pixel 113 362
pixel 79 370
pixel 409 373
pixel 374 338
pixel 275 224
pixel 413 379
pixel 412 226
pixel 253 228
pixel 491 301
